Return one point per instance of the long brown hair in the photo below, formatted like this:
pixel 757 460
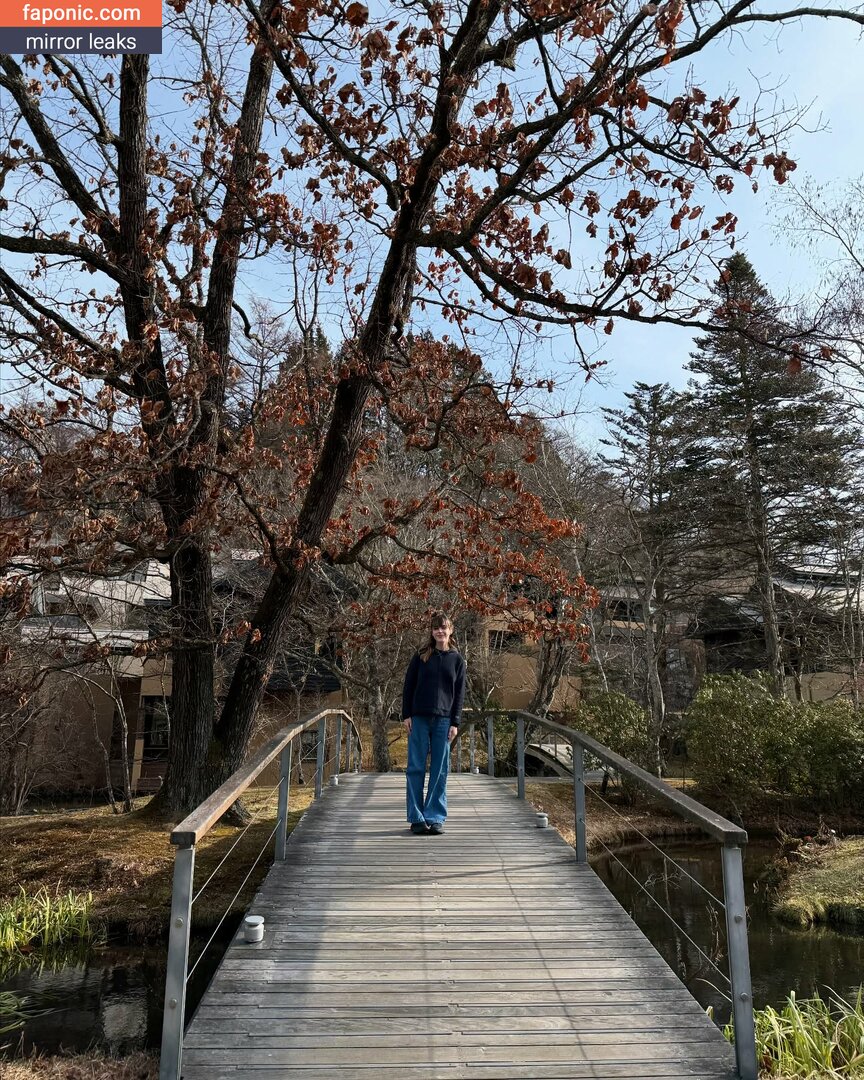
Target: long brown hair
pixel 438 619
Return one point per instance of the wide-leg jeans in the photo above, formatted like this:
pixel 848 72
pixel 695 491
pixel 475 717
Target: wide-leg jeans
pixel 428 736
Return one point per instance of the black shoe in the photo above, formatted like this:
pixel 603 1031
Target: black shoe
pixel 419 828
pixel 436 828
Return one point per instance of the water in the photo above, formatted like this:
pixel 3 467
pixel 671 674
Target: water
pixel 782 959
pixel 107 997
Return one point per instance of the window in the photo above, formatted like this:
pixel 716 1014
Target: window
pixel 623 611
pixel 137 574
pixel 156 728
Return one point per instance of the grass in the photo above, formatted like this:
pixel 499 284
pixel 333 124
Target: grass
pixel 82 1067
pixel 827 886
pixel 14 1012
pixel 125 862
pixel 44 919
pixel 813 1039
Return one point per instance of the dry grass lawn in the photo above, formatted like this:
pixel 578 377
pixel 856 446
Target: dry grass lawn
pixel 604 825
pixel 82 1067
pixel 826 887
pixel 127 860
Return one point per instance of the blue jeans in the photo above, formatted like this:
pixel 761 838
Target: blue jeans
pixel 428 736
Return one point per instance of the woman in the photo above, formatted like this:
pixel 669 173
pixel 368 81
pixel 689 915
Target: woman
pixel 432 700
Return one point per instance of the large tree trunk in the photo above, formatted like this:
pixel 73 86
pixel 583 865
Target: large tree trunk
pixel 192 675
pixel 654 687
pixel 773 640
pixel 551 661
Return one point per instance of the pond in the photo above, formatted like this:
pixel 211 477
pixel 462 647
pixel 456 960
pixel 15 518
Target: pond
pixel 782 958
pixel 110 997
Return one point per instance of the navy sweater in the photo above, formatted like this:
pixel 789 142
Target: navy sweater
pixel 435 687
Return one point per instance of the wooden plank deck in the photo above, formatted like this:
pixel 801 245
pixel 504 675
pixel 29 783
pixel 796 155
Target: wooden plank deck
pixel 483 953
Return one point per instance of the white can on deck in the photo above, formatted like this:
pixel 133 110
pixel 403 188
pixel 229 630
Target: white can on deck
pixel 253 928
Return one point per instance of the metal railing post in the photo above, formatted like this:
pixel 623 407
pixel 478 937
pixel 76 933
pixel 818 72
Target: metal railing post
pixel 319 761
pixel 520 757
pixel 472 744
pixel 490 745
pixel 178 959
pixel 338 742
pixel 739 962
pixel 284 791
pixel 579 802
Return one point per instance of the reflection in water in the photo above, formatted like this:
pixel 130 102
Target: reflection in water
pixel 782 958
pixel 109 997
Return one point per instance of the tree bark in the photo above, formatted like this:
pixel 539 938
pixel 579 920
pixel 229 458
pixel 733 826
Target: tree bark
pixel 381 761
pixel 653 683
pixel 234 726
pixel 192 677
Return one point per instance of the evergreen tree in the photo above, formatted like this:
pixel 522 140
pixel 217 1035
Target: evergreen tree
pixel 770 458
pixel 648 447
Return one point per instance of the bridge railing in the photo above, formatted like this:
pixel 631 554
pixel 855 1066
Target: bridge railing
pixel 731 838
pixel 189 833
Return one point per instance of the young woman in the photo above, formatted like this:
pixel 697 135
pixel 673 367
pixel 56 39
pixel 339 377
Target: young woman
pixel 432 700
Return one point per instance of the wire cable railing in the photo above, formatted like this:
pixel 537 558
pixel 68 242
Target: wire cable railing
pixel 665 854
pixel 731 837
pixel 192 830
pixel 641 885
pixel 240 836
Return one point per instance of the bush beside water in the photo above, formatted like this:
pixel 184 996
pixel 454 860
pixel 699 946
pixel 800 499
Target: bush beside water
pixel 743 741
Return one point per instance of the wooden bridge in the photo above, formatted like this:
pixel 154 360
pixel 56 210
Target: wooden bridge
pixel 488 952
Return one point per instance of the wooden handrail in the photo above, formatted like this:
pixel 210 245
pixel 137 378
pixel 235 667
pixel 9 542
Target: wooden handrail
pixel 712 823
pixel 197 824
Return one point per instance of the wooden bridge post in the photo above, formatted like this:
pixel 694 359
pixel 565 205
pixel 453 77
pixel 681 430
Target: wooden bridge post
pixel 520 757
pixel 174 1014
pixel 349 749
pixel 472 732
pixel 490 745
pixel 579 802
pixel 739 962
pixel 458 755
pixel 284 790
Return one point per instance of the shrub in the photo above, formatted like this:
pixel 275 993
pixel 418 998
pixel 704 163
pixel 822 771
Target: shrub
pixel 830 753
pixel 737 734
pixel 744 740
pixel 623 725
pixel 44 918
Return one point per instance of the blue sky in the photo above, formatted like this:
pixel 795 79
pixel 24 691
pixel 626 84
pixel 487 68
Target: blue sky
pixel 818 63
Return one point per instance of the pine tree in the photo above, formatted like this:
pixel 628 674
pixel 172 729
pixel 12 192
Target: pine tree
pixel 648 444
pixel 770 456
